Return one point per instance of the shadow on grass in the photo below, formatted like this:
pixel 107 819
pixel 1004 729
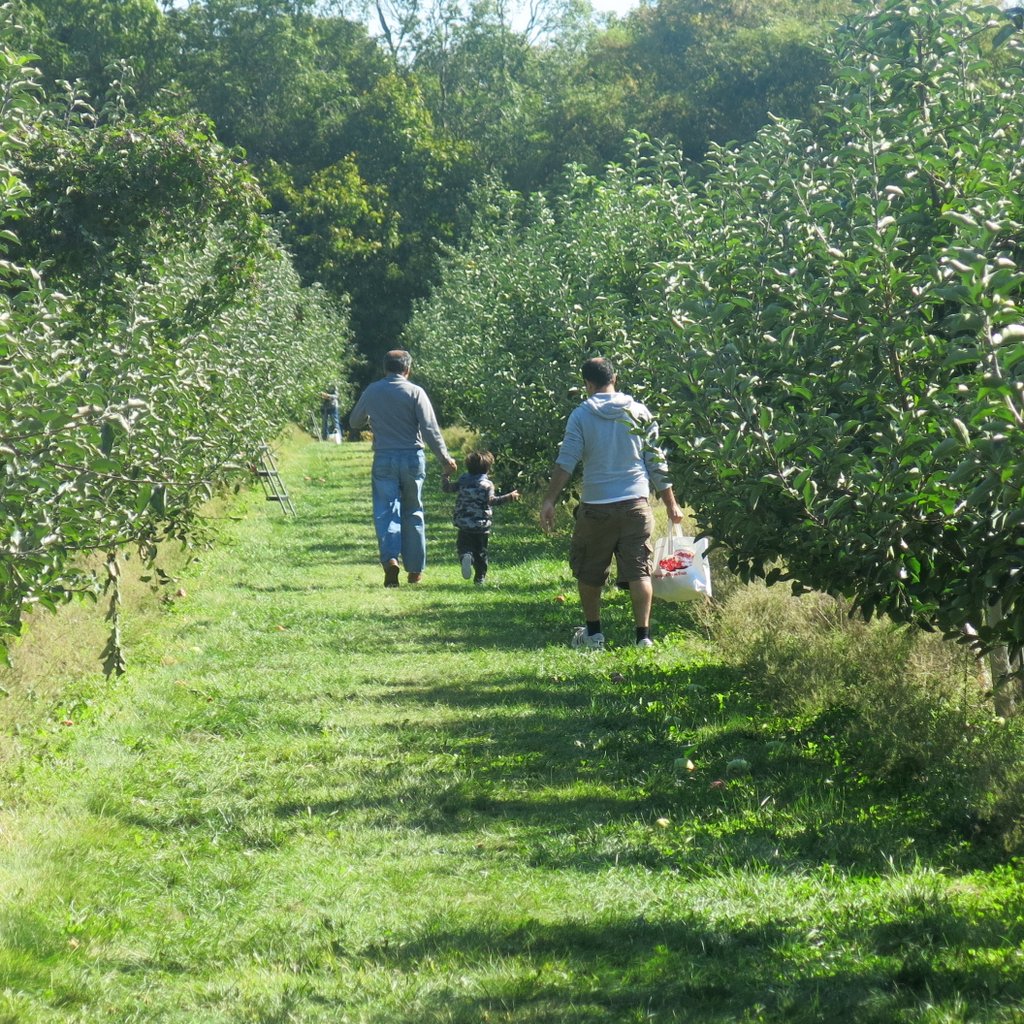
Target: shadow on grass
pixel 519 618
pixel 272 588
pixel 697 967
pixel 329 546
pixel 579 770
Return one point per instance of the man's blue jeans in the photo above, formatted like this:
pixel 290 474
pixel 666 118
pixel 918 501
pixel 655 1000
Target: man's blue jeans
pixel 398 507
pixel 330 422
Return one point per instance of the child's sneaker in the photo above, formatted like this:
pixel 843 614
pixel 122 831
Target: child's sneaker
pixel 467 565
pixel 645 642
pixel 583 641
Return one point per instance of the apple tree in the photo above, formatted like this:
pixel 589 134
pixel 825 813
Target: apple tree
pixel 844 365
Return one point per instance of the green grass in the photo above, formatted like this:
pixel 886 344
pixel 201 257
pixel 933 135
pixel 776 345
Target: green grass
pixel 312 799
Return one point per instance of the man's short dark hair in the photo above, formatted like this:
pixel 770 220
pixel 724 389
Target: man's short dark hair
pixel 397 361
pixel 599 371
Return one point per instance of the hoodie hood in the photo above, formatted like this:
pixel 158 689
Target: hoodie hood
pixel 612 405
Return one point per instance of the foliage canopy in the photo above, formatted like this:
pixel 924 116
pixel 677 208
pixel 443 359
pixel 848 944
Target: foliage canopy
pixel 154 335
pixel 828 324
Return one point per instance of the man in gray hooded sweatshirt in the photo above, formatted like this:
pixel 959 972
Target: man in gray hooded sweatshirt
pixel 615 438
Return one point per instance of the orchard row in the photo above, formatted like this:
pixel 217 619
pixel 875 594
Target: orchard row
pixel 154 336
pixel 826 322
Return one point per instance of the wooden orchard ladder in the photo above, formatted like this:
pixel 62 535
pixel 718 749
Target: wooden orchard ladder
pixel 273 485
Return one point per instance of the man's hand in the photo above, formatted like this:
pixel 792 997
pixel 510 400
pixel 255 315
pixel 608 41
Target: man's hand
pixel 559 478
pixel 547 515
pixel 450 467
pixel 675 513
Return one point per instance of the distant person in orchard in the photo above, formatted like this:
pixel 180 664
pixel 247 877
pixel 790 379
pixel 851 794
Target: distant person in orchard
pixel 402 419
pixel 473 515
pixel 615 438
pixel 330 415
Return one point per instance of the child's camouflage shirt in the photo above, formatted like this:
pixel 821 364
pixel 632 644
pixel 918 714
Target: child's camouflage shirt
pixel 474 501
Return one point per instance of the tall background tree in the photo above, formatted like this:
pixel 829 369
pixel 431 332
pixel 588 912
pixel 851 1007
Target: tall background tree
pixel 367 134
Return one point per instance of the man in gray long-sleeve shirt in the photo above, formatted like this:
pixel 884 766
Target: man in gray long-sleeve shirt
pixel 615 438
pixel 401 417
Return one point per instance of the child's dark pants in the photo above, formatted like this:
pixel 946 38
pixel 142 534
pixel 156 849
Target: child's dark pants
pixel 474 542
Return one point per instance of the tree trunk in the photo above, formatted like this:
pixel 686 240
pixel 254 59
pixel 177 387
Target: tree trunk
pixel 1007 674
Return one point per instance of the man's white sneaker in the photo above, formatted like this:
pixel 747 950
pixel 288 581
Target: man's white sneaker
pixel 467 565
pixel 583 641
pixel 645 642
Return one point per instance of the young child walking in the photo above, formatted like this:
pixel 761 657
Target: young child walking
pixel 473 512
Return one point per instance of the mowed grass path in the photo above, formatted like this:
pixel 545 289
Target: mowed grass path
pixel 315 800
